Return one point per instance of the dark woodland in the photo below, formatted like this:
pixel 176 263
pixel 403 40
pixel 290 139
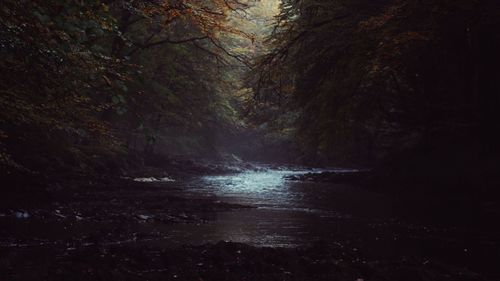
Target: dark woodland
pixel 349 140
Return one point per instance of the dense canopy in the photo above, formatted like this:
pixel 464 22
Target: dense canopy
pixel 96 83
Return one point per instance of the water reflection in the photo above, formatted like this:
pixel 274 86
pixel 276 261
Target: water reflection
pixel 263 188
pixel 287 213
pixel 294 213
pixel 251 182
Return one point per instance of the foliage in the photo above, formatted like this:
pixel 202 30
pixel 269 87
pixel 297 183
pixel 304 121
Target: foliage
pixel 53 79
pixel 374 77
pixel 101 74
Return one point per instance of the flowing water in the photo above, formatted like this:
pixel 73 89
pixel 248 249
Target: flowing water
pixel 289 213
pixel 286 213
pixel 282 212
pixel 277 213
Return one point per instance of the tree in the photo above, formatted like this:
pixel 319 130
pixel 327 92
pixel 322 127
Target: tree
pixel 372 77
pixel 80 78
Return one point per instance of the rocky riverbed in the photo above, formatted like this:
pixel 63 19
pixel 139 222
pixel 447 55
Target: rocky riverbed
pixel 121 228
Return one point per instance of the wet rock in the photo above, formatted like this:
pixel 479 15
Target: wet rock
pixel 223 261
pixel 154 179
pixel 332 177
pixel 21 215
pixel 145 217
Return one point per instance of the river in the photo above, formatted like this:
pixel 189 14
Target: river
pixel 269 211
pixel 287 213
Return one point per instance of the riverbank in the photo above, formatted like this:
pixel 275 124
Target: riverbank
pixel 115 228
pixel 114 231
pixel 219 262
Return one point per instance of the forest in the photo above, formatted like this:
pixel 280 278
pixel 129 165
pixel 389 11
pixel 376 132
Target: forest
pixel 137 134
